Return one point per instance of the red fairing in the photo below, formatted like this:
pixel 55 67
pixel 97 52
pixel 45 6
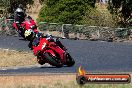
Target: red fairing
pixel 14 25
pixel 58 50
pixel 39 47
pixel 50 47
pixel 27 24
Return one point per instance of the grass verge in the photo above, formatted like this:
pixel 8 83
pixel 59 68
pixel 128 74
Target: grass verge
pixel 16 58
pixel 51 81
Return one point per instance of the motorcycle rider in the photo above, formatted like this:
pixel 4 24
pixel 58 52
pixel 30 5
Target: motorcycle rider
pixel 35 39
pixel 19 17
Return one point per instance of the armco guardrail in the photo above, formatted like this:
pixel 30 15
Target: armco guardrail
pixel 85 32
pixel 6 27
pixel 72 31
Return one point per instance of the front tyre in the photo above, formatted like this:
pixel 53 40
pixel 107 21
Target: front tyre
pixel 40 60
pixel 69 60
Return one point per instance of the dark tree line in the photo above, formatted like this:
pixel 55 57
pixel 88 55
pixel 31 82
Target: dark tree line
pixel 11 5
pixel 122 9
pixel 15 3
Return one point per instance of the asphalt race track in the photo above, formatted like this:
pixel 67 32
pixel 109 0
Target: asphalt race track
pixel 93 56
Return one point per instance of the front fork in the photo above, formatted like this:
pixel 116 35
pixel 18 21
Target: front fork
pixel 40 59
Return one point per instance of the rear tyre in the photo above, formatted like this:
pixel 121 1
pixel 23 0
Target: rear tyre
pixel 55 61
pixel 69 60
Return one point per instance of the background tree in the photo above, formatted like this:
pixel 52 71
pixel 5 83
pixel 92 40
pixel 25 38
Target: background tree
pixel 15 3
pixel 10 5
pixel 122 9
pixel 94 17
pixel 65 11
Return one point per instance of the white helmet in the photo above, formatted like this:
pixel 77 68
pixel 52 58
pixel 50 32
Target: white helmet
pixel 19 12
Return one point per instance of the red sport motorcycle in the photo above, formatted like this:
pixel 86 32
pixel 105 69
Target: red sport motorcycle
pixel 27 24
pixel 48 51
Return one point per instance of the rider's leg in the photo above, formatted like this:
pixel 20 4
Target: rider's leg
pixel 20 28
pixel 30 45
pixel 60 44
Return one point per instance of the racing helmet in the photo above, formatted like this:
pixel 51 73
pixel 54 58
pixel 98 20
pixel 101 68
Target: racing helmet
pixel 19 12
pixel 29 34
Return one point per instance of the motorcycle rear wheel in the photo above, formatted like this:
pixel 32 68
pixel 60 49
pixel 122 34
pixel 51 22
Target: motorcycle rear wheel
pixel 53 60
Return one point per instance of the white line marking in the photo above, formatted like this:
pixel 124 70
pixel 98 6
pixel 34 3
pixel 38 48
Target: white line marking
pixel 15 68
pixel 4 69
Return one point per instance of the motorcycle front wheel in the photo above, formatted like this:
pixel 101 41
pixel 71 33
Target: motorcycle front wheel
pixel 40 60
pixel 69 60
